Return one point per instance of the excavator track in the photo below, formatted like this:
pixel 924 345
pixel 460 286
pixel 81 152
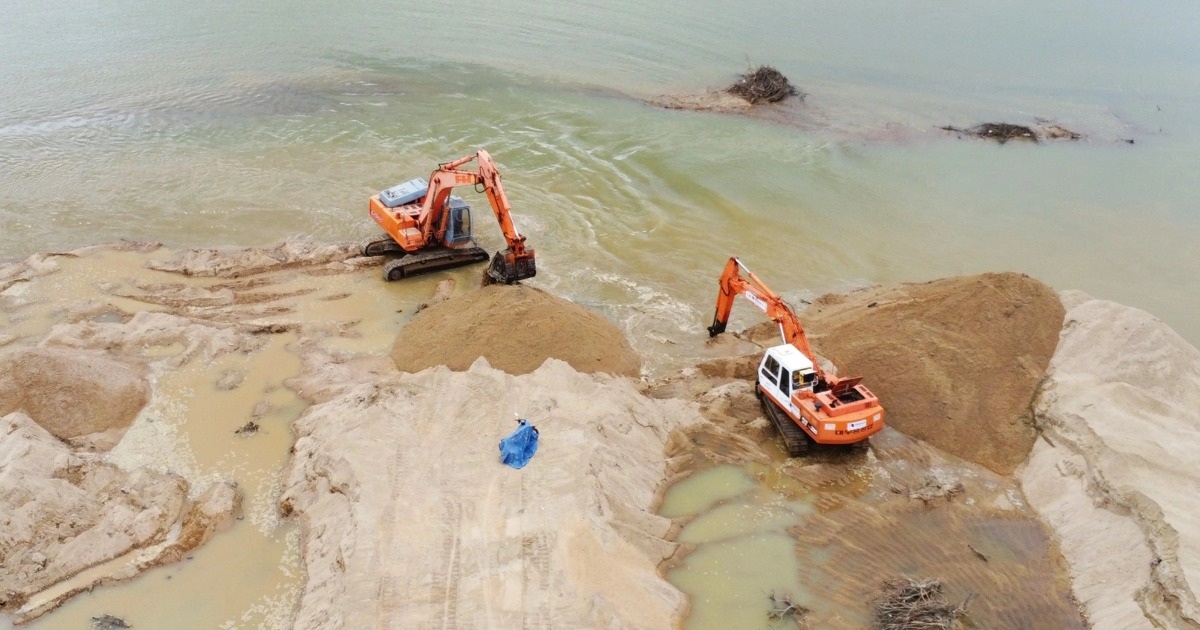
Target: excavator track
pixel 795 440
pixel 432 259
pixel 381 246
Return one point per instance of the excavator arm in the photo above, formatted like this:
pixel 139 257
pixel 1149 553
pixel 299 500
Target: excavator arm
pixel 733 284
pixel 514 263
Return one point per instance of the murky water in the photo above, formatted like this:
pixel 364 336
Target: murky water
pixel 742 550
pixel 244 123
pixel 250 575
pixel 202 124
pixel 826 532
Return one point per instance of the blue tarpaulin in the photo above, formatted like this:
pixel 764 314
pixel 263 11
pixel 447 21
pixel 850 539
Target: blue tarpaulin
pixel 518 448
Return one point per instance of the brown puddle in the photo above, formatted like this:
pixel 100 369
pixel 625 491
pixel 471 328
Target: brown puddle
pixel 249 575
pixel 827 530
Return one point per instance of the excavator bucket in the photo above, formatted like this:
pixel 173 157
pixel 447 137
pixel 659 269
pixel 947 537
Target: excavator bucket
pixel 508 268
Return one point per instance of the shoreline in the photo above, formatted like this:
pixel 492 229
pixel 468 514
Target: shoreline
pixel 225 301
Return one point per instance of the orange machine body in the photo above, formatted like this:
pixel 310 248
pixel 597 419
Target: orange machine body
pixel 429 221
pixel 829 409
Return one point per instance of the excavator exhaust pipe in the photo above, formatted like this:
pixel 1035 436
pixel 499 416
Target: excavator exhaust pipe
pixel 507 267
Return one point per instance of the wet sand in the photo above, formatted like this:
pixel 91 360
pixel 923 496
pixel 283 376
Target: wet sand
pixel 295 339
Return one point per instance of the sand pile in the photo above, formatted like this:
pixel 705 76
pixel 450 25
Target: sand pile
pixel 404 503
pixel 516 328
pixel 1116 476
pixel 72 394
pixel 955 362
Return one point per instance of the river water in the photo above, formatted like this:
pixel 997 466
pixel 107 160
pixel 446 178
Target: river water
pixel 245 123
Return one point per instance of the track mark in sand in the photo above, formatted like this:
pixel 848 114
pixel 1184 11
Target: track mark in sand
pixel 535 556
pixel 445 579
pixel 535 572
pixel 391 595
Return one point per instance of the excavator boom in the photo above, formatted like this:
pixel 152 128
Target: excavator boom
pixel 803 402
pixel 756 291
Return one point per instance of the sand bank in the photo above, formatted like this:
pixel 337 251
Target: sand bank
pixel 1116 474
pixel 409 520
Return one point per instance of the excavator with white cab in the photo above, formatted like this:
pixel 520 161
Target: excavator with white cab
pixel 805 404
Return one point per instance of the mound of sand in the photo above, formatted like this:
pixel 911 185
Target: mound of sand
pixel 955 362
pixel 1116 476
pixel 403 501
pixel 72 394
pixel 516 328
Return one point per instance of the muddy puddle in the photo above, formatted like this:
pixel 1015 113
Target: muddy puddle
pixel 249 575
pixel 213 415
pixel 827 530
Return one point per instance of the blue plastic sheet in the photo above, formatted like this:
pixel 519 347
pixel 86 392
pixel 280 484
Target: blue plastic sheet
pixel 518 448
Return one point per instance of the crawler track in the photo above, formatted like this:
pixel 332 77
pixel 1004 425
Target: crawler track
pixel 381 246
pixel 795 440
pixel 432 260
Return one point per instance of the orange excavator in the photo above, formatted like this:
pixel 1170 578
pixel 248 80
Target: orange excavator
pixel 803 402
pixel 429 229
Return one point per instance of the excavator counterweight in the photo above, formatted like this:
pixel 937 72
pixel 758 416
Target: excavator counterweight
pixel 428 229
pixel 803 402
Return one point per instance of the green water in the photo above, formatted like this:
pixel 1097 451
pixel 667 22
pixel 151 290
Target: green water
pixel 740 549
pixel 243 123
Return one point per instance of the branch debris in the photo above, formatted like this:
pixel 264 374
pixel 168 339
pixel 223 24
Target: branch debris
pixel 764 83
pixel 782 607
pixel 908 604
pixel 1000 132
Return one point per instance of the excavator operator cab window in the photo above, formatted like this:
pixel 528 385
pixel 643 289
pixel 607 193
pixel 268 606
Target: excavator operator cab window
pixel 459 229
pixel 770 370
pixel 785 384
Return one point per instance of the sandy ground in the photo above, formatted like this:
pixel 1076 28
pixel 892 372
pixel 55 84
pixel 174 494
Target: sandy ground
pixel 1116 474
pixel 898 508
pixel 81 506
pixel 82 397
pixel 409 520
pixel 394 470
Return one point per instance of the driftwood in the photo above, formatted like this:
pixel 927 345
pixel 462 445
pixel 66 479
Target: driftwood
pixel 109 622
pixel 782 607
pixel 250 428
pixel 908 604
pixel 1000 132
pixel 764 83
